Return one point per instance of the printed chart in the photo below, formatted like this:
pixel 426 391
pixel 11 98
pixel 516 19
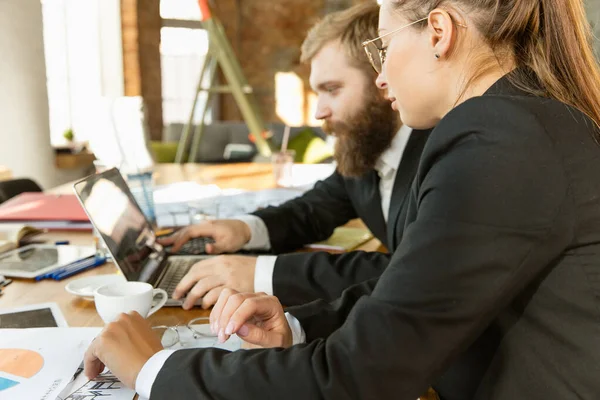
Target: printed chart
pixel 37 363
pixel 17 365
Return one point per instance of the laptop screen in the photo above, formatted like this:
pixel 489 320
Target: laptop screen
pixel 118 218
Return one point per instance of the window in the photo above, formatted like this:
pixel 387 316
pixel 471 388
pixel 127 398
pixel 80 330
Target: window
pixel 183 48
pixel 82 43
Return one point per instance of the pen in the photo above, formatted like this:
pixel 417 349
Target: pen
pixel 62 269
pixel 87 263
pixel 94 263
pixel 164 232
pixel 61 242
pixel 5 282
pixel 68 267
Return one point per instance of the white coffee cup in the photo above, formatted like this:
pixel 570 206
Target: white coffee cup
pixel 113 299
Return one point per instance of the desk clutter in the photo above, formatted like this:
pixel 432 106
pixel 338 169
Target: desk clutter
pixel 45 261
pixel 3 283
pixel 45 211
pixel 41 358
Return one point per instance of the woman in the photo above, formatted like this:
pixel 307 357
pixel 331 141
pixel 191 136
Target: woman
pixel 493 292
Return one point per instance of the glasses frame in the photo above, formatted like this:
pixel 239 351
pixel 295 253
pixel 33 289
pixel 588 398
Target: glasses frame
pixel 195 334
pixel 383 50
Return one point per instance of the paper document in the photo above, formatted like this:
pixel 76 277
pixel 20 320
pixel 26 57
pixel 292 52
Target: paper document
pixel 104 387
pixel 304 176
pixel 223 206
pixel 181 192
pixel 38 363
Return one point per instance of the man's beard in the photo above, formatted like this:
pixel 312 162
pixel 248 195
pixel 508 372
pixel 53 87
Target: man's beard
pixel 362 139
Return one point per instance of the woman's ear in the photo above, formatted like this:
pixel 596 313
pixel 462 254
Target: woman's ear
pixel 442 31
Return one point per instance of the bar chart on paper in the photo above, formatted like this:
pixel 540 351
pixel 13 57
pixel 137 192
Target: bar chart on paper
pixel 17 365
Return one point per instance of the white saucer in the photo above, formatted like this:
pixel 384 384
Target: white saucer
pixel 84 287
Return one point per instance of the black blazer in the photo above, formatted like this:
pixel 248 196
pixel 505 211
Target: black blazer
pixel 302 277
pixel 493 293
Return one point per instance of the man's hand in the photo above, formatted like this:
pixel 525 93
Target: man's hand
pixel 207 278
pixel 124 346
pixel 230 235
pixel 256 317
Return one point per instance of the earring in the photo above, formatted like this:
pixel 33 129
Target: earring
pixel 437 56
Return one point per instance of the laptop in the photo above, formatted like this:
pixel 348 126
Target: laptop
pixel 128 234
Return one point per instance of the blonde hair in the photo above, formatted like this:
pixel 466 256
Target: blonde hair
pixel 549 39
pixel 351 27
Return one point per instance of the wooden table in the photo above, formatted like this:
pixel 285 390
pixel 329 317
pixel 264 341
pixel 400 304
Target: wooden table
pixel 80 312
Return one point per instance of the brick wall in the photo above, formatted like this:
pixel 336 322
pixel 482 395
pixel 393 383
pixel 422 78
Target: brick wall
pixel 266 37
pixel 140 24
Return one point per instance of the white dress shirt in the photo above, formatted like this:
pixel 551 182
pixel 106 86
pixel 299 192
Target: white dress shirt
pixel 386 168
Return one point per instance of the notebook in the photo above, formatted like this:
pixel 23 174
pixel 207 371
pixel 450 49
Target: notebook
pixel 13 235
pixel 343 239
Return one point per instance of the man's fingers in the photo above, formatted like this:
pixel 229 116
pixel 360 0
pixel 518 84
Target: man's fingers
pixel 166 241
pixel 211 249
pixel 200 270
pixel 184 235
pixel 218 247
pixel 211 297
pixel 92 365
pixel 181 238
pixel 200 289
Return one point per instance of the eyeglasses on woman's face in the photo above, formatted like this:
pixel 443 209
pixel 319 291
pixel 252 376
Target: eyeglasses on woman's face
pixel 377 52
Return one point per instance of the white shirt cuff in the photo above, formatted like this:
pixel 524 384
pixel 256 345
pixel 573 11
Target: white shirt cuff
pixel 298 335
pixel 149 372
pixel 263 274
pixel 259 234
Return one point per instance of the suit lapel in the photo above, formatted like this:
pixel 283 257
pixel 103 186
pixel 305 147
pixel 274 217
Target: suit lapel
pixel 404 178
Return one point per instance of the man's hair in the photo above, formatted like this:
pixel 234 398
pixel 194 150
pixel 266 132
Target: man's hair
pixel 351 27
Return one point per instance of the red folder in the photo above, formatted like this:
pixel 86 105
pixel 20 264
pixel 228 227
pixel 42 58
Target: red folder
pixel 43 207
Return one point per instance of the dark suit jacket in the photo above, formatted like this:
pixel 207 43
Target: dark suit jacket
pixel 493 293
pixel 302 277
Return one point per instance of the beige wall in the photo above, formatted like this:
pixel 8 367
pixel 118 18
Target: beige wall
pixel 24 125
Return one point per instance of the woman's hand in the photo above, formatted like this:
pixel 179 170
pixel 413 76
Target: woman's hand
pixel 257 318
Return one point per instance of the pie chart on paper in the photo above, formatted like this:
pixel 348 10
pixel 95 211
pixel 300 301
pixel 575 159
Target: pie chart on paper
pixel 17 365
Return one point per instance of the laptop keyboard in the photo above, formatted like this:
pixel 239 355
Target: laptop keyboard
pixel 193 246
pixel 176 270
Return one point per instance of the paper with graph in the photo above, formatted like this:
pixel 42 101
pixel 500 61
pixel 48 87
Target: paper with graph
pixel 38 363
pixel 106 386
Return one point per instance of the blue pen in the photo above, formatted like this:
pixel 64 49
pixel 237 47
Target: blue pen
pixel 73 265
pixel 60 270
pixel 68 274
pixel 68 267
pixel 94 263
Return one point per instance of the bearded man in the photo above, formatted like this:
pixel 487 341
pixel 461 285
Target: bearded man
pixel 376 162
